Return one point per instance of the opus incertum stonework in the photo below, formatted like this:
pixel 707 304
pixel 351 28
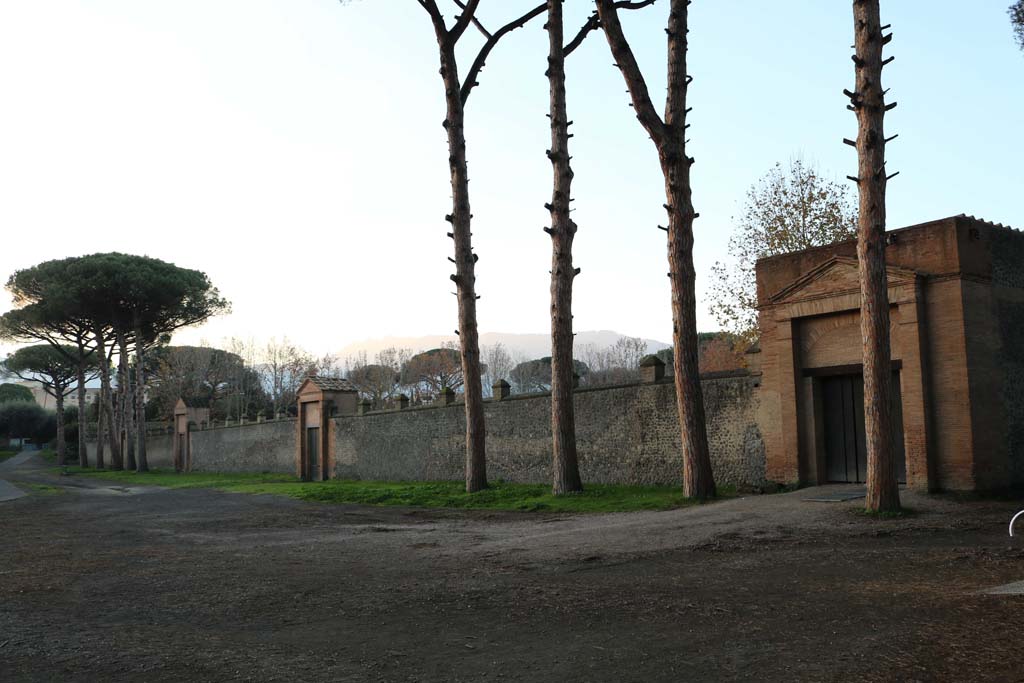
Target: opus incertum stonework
pixel 794 415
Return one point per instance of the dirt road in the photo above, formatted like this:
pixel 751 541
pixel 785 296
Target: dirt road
pixel 105 583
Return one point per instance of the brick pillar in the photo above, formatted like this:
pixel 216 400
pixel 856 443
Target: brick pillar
pixel 501 390
pixel 447 397
pixel 402 401
pixel 782 448
pixel 914 399
pixel 652 369
pixel 364 407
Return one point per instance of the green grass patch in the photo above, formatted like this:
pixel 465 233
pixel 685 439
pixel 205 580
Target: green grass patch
pixel 445 494
pixel 44 489
pixel 902 513
pixel 500 496
pixel 174 480
pixel 7 454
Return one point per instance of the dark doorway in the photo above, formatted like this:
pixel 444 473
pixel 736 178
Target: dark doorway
pixel 845 447
pixel 313 453
pixel 182 446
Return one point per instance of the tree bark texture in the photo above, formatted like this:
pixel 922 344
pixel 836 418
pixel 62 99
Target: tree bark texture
pixel 465 272
pixel 868 100
pixel 117 406
pixel 142 464
pixel 83 454
pixel 126 408
pixel 456 94
pixel 105 429
pixel 670 141
pixel 62 447
pixel 565 467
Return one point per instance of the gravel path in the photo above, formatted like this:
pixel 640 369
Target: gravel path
pixel 106 582
pixel 9 491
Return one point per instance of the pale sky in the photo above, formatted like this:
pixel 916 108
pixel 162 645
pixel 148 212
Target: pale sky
pixel 292 149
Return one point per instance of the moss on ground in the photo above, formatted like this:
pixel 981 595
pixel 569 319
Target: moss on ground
pixel 44 489
pixel 445 494
pixel 895 514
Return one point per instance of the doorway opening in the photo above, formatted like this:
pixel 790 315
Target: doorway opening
pixel 312 454
pixel 845 443
pixel 181 462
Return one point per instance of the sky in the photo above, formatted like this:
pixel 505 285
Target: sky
pixel 293 149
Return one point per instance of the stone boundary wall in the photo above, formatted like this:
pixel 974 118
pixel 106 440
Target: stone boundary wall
pixel 625 434
pixel 252 447
pixel 158 451
pixel 154 428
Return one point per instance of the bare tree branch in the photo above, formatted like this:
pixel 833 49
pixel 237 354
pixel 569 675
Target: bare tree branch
pixel 593 23
pixel 485 51
pixel 678 81
pixel 435 17
pixel 623 54
pixel 462 23
pixel 476 22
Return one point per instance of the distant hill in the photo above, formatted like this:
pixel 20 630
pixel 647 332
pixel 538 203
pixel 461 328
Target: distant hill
pixel 528 345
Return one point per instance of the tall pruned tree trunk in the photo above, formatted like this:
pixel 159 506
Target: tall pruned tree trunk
pixel 140 401
pixel 83 453
pixel 116 404
pixel 456 93
pixel 105 428
pixel 125 394
pixel 62 446
pixel 565 467
pixel 670 141
pixel 465 274
pixel 868 101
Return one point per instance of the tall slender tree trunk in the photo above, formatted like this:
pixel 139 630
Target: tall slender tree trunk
pixel 669 137
pixel 868 101
pixel 464 277
pixel 116 404
pixel 106 412
pixel 140 402
pixel 465 273
pixel 62 447
pixel 83 454
pixel 565 467
pixel 117 411
pixel 698 480
pixel 125 395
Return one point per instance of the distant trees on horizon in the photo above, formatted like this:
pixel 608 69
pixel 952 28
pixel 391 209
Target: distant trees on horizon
pixel 242 379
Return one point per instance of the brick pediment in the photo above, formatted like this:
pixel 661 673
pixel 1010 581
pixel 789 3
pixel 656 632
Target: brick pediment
pixel 836 277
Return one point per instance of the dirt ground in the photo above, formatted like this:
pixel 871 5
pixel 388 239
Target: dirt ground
pixel 105 583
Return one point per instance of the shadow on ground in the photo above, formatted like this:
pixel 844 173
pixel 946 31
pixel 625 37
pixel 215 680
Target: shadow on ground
pixel 101 582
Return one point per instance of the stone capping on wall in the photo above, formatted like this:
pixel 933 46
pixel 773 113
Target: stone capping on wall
pixel 219 424
pixel 152 430
pixel 722 374
pixel 987 222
